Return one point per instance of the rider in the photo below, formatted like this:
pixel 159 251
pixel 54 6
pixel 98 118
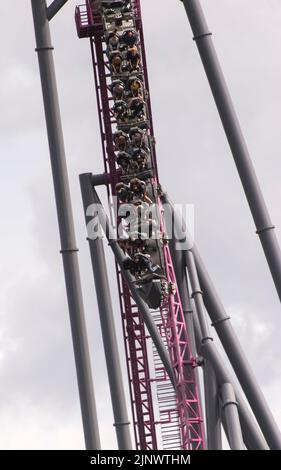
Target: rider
pixel 123 160
pixel 116 60
pixel 123 192
pixel 130 37
pixel 120 110
pixel 137 108
pixel 133 57
pixel 137 137
pixel 140 265
pixel 118 89
pixel 120 140
pixel 113 41
pixel 141 157
pixel 135 86
pixel 138 190
pixel 127 163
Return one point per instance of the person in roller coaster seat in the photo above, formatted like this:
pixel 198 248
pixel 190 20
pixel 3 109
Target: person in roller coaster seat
pixel 137 137
pixel 133 57
pixel 141 157
pixel 123 161
pixel 120 110
pixel 142 267
pixel 127 163
pixel 132 245
pixel 118 90
pixel 144 262
pixel 138 191
pixel 135 87
pixel 123 193
pixel 147 222
pixel 133 167
pixel 120 140
pixel 113 41
pixel 138 141
pixel 116 61
pixel 138 245
pixel 130 37
pixel 137 108
pixel 125 244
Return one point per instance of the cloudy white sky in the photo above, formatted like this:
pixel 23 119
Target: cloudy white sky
pixel 39 406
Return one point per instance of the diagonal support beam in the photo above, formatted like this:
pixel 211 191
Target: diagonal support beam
pixel 54 7
pixel 230 408
pixel 221 322
pixel 107 322
pixel 93 199
pixel 264 226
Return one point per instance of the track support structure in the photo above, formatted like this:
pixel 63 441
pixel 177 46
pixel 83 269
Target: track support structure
pixel 69 250
pixel 230 410
pixel 236 140
pixel 222 324
pixel 118 399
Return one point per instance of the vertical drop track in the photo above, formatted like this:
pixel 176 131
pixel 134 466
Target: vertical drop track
pixel 176 409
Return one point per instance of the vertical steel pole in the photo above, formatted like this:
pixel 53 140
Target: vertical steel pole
pixel 230 410
pixel 197 295
pixel 117 392
pixel 264 226
pixel 221 322
pixel 212 407
pixel 66 225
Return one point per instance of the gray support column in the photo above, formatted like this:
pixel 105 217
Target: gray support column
pixel 212 407
pixel 264 225
pixel 221 322
pixel 110 344
pixel 54 7
pixel 197 295
pixel 230 410
pixel 120 258
pixel 197 331
pixel 66 226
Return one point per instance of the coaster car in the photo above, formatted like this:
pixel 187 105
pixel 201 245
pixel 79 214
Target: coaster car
pixel 151 293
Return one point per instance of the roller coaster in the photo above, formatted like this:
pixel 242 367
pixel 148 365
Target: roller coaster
pixel 181 392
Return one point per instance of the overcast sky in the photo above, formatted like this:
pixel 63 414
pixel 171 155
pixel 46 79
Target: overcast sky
pixel 39 407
